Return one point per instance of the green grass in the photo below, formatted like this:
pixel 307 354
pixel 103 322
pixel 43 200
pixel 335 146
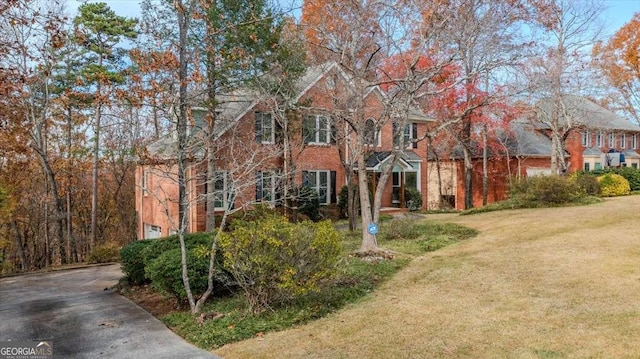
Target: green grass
pixel 356 278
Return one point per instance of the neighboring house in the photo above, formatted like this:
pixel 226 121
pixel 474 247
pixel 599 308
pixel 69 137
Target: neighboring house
pixel 252 158
pixel 597 138
pixel 519 152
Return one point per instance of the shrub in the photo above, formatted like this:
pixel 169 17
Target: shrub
pixel 307 201
pixel 273 260
pixel 137 255
pixel 413 198
pixel 132 262
pixel 165 273
pixel 545 190
pixel 105 253
pixel 629 173
pixel 159 246
pixel 632 175
pixel 343 199
pixel 614 185
pixel 400 229
pixel 589 184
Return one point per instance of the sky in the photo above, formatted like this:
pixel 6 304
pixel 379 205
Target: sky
pixel 618 12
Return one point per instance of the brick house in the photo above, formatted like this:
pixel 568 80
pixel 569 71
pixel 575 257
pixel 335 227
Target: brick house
pixel 252 159
pixel 598 138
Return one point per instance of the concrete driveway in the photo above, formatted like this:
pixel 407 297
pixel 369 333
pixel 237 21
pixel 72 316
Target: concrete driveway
pixel 83 318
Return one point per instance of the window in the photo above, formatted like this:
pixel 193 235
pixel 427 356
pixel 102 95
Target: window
pixel 220 190
pixel 587 167
pixel 598 139
pixel 410 181
pixel 612 140
pixel 324 182
pixel 265 128
pixel 317 129
pixel 145 183
pixel 586 139
pixel 634 165
pixel 634 141
pixel 597 166
pixel 396 187
pixel 371 135
pixel 408 135
pixel 623 140
pixel 266 186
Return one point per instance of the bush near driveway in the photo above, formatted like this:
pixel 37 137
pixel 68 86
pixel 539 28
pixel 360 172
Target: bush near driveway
pixel 273 260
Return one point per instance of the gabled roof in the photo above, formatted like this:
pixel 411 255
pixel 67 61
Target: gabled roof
pixel 585 113
pixel 377 159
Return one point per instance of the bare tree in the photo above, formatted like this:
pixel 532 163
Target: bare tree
pixel 560 70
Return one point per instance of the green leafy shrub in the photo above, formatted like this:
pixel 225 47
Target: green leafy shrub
pixel 343 199
pixel 273 260
pixel 413 198
pixel 545 190
pixel 589 184
pixel 132 262
pixel 629 173
pixel 105 253
pixel 614 185
pixel 165 273
pixel 307 201
pixel 161 245
pixel 137 255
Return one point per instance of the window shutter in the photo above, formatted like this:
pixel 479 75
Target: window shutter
pixel 334 198
pixel 259 186
pixel 305 178
pixel 258 126
pixel 414 130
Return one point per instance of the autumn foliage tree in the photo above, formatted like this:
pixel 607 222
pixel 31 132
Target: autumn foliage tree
pixel 619 61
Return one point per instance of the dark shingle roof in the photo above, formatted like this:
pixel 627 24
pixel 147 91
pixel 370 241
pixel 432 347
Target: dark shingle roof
pixel 585 113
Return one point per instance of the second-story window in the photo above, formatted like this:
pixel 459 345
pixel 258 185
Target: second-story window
pixel 599 139
pixel 371 135
pixel 265 128
pixel 408 136
pixel 316 129
pixel 634 141
pixel 612 140
pixel 623 140
pixel 586 140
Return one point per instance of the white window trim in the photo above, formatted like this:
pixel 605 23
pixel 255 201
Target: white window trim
pixel 316 130
pixel 145 183
pixel 224 193
pixel 623 140
pixel 586 139
pixel 272 125
pixel 612 140
pixel 317 187
pixel 634 141
pixel 272 176
pixel 599 141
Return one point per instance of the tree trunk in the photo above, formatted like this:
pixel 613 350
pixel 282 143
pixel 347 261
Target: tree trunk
pixel 181 127
pixel 369 242
pixel 19 246
pixel 485 166
pixel 96 164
